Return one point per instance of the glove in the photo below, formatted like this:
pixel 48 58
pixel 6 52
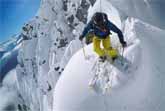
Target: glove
pixel 124 44
pixel 81 38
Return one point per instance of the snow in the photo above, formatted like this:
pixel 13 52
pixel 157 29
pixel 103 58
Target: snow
pixel 150 11
pixel 1 49
pixel 144 91
pixel 8 93
pixel 47 49
pixel 8 99
pixel 10 79
pixel 72 48
pixel 53 42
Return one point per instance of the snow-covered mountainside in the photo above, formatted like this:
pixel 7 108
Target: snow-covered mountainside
pixel 142 89
pixel 49 40
pixel 150 11
pixel 8 55
pixel 42 57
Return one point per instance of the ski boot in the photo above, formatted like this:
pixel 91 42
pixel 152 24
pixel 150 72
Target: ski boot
pixel 114 58
pixel 102 58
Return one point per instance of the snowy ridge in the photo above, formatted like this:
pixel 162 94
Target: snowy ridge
pixel 50 40
pixel 131 95
pixel 42 57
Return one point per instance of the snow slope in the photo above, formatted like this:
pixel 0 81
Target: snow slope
pixel 144 91
pixel 50 40
pixel 150 11
pixel 43 53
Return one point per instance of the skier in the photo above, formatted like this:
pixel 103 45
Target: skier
pixel 100 26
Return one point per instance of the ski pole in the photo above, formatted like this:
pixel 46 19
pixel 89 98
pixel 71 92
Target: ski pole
pixel 83 49
pixel 122 55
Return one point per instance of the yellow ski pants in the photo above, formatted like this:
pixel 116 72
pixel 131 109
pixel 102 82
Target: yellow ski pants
pixel 107 48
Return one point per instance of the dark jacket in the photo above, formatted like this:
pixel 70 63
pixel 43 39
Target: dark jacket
pixel 102 33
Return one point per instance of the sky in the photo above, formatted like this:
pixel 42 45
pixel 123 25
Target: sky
pixel 13 14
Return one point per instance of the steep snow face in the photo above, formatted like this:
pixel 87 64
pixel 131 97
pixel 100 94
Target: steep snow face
pixel 150 11
pixel 144 90
pixel 42 56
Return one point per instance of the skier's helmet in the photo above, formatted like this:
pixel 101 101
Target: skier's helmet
pixel 100 19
